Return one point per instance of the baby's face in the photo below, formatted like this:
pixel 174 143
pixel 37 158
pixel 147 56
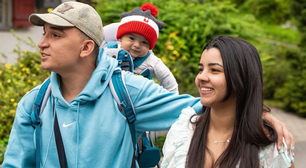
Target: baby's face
pixel 135 44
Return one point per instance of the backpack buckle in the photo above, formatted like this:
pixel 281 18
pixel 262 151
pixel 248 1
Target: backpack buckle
pixel 35 118
pixel 122 106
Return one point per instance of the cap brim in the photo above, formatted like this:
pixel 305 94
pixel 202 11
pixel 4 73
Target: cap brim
pixel 41 19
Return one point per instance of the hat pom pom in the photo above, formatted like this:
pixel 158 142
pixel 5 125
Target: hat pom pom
pixel 151 7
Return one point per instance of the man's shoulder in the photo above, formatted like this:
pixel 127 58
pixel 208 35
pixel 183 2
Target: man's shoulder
pixel 137 83
pixel 132 79
pixel 28 99
pixel 33 92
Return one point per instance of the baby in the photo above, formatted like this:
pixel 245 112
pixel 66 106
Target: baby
pixel 137 33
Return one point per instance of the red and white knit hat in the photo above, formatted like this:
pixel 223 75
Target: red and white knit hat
pixel 141 21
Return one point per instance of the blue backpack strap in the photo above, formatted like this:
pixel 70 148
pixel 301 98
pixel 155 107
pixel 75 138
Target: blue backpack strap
pixel 124 58
pixel 139 60
pixel 111 44
pixel 123 99
pixel 147 73
pixel 35 120
pixel 124 102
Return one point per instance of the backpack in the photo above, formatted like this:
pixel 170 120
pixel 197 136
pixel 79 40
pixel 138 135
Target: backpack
pixel 148 158
pixel 126 60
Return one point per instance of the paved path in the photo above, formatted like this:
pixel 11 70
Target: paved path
pixel 297 126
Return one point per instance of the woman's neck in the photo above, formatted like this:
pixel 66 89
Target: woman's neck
pixel 222 120
pixel 222 116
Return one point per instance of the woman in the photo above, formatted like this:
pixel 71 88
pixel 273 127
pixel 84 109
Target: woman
pixel 230 132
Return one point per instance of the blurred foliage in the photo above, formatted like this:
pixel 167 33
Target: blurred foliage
pixel 293 91
pixel 298 9
pixel 274 47
pixel 160 143
pixel 3 144
pixel 272 11
pixel 15 81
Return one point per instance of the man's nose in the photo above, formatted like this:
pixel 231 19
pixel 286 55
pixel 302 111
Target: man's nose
pixel 43 42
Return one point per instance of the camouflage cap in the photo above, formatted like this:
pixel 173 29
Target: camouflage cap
pixel 69 14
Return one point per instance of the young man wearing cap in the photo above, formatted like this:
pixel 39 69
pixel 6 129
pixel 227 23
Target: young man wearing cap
pixel 94 132
pixel 137 33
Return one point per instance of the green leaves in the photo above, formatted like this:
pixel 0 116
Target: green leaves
pixel 293 91
pixel 16 80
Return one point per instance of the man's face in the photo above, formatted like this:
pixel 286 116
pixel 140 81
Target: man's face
pixel 60 48
pixel 135 44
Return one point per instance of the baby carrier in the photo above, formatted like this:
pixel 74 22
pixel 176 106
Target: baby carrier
pixel 146 154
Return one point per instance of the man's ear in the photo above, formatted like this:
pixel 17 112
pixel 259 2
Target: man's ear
pixel 88 47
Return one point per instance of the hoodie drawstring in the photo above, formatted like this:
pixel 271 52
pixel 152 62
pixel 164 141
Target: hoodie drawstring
pixel 78 137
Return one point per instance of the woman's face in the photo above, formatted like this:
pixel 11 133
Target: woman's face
pixel 210 80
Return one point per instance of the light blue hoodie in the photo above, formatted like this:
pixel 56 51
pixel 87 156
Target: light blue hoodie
pixel 94 132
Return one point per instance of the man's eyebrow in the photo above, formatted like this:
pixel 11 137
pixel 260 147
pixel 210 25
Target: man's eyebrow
pixel 57 28
pixel 200 64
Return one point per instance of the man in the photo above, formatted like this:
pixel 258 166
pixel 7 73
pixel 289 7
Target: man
pixel 93 130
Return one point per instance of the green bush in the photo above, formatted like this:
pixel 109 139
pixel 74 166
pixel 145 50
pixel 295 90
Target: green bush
pixel 160 143
pixel 272 11
pixel 15 81
pixel 3 143
pixel 292 94
pixel 273 47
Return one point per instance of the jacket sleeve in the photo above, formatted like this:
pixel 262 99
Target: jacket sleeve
pixel 156 108
pixel 20 151
pixel 178 139
pixel 164 76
